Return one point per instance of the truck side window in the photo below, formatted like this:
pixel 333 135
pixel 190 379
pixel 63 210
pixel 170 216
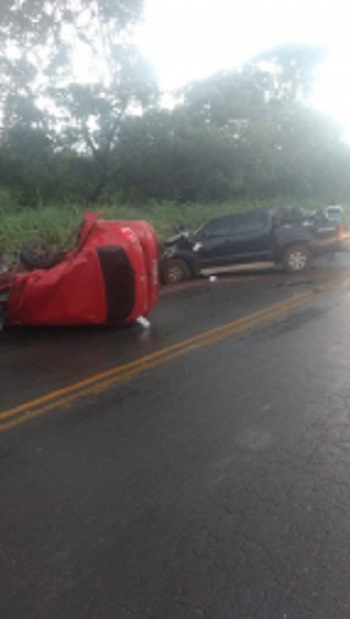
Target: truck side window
pixel 250 223
pixel 223 226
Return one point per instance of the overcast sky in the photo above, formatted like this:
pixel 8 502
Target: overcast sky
pixel 190 39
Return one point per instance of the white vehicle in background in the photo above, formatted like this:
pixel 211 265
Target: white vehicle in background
pixel 334 213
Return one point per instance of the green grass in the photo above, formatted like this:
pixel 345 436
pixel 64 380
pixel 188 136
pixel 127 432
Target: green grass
pixel 57 223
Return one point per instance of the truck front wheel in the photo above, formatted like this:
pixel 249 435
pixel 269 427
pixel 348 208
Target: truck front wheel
pixel 297 259
pixel 174 271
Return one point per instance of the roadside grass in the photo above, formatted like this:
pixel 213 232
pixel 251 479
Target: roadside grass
pixel 57 223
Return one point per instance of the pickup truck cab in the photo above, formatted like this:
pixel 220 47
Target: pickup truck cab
pixel 250 237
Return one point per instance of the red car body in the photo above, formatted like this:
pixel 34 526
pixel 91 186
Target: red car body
pixel 111 277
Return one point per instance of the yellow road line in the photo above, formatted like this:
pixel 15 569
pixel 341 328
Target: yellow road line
pixel 160 353
pixel 100 382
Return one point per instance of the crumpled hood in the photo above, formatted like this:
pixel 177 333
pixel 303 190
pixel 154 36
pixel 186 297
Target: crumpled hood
pixel 177 238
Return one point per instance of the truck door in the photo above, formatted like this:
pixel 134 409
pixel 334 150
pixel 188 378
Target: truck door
pixel 212 244
pixel 252 240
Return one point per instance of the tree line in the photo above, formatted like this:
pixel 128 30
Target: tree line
pixel 82 118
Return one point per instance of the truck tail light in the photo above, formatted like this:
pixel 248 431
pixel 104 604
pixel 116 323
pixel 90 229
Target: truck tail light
pixel 340 233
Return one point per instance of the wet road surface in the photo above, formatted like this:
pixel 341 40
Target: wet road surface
pixel 214 485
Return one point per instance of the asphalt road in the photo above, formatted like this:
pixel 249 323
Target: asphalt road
pixel 199 469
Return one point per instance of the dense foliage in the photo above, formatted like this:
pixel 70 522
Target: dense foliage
pixel 81 121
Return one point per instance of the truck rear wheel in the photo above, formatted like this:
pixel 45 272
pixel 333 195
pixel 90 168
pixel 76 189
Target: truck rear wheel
pixel 174 271
pixel 297 259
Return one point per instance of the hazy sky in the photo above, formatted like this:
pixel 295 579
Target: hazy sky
pixel 190 39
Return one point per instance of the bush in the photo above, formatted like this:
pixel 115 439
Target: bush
pixel 8 202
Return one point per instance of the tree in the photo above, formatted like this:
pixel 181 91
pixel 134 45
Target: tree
pixel 280 143
pixel 226 100
pixel 288 71
pixel 45 49
pixel 169 155
pixel 27 165
pixel 93 114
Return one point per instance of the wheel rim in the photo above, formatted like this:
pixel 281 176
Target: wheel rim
pixel 297 260
pixel 174 274
pixel 39 252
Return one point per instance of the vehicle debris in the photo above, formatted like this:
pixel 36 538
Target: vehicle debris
pixel 143 322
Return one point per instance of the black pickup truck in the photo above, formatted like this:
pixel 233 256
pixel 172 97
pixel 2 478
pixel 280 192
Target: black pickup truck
pixel 290 240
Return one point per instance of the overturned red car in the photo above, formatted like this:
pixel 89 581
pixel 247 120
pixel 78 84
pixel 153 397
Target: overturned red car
pixel 110 277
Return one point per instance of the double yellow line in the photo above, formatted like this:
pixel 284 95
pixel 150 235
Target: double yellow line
pixel 101 382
